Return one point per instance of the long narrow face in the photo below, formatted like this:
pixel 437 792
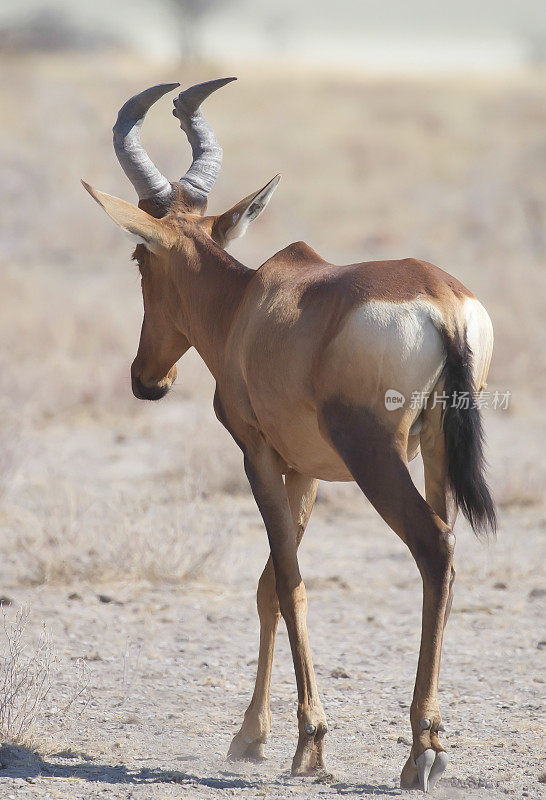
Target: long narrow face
pixel 169 214
pixel 162 343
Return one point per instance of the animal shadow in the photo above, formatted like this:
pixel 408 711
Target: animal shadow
pixel 20 762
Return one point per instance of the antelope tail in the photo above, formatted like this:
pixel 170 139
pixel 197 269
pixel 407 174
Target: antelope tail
pixel 464 439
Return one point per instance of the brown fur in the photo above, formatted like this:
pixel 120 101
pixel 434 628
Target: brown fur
pixel 302 352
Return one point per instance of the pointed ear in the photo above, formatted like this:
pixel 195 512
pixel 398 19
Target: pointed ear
pixel 233 223
pixel 135 222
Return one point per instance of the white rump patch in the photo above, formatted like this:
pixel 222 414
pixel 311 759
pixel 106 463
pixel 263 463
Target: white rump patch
pixel 390 346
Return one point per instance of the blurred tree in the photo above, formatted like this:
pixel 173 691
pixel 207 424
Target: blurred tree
pixel 277 27
pixel 50 30
pixel 192 13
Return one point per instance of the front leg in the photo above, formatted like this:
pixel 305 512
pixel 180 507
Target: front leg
pixel 249 742
pixel 264 472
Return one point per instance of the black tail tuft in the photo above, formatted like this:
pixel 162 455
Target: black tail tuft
pixel 464 439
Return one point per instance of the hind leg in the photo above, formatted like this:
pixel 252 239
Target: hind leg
pixel 434 456
pixel 249 742
pixel 376 458
pixel 437 491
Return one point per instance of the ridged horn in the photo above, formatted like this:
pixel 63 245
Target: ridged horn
pixel 135 161
pixel 207 153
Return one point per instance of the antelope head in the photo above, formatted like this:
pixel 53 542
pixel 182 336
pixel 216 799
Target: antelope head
pixel 168 221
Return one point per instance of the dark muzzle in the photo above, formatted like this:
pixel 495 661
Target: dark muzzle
pixel 143 392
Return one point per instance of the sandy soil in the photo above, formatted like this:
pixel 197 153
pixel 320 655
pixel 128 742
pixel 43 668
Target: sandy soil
pixel 129 529
pixel 170 671
pixel 169 668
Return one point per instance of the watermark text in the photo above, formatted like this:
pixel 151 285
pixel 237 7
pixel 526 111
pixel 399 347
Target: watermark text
pixel 497 400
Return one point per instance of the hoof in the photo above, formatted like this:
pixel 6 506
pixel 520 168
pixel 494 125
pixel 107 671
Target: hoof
pixel 310 769
pixel 438 769
pixel 309 758
pixel 425 772
pixel 241 749
pixel 430 767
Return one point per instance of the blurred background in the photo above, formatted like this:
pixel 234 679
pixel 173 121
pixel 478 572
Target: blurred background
pixel 400 129
pixel 407 128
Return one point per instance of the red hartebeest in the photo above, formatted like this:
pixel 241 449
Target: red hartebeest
pixel 304 354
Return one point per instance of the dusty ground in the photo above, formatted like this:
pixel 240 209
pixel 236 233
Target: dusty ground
pixel 146 507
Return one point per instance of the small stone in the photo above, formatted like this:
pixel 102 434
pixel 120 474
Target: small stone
pixel 403 740
pixel 5 601
pixel 339 673
pixel 105 598
pixel 536 593
pixel 94 656
pixel 542 645
pixel 500 585
pixel 325 777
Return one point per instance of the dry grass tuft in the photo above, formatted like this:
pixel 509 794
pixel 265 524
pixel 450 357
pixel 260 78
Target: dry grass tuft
pixel 25 681
pixel 27 678
pixel 170 534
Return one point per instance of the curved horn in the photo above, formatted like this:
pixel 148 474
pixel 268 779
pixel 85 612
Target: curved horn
pixel 207 153
pixel 137 165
